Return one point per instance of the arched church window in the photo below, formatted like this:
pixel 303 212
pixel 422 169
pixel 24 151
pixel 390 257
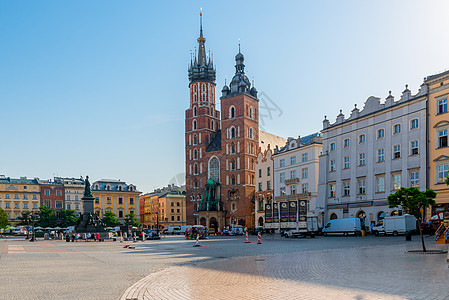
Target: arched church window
pixel 195 169
pixel 194 125
pixel 232 164
pixel 250 112
pixel 232 133
pixel 204 88
pixel 196 183
pixel 194 98
pixel 195 154
pixel 204 97
pixel 212 125
pixel 233 180
pixel 233 148
pixel 214 169
pixel 232 112
pixel 194 111
pixel 195 139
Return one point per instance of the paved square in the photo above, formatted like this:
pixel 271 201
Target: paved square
pixel 226 267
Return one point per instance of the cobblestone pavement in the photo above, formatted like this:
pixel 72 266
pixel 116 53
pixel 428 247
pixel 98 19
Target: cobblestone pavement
pixel 324 267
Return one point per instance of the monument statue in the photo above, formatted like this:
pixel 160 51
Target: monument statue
pixel 87 191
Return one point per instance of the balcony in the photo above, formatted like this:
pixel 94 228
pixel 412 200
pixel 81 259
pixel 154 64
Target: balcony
pixel 301 196
pixel 291 181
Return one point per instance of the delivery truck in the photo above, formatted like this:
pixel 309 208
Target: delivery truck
pixel 311 230
pixel 395 225
pixel 344 226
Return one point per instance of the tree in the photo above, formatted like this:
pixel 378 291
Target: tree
pixel 47 217
pixel 24 218
pixel 447 180
pixel 110 219
pixel 3 218
pixel 132 220
pixel 68 218
pixel 412 201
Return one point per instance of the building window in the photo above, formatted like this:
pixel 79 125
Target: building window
pixel 7 205
pixel 25 205
pixel 282 177
pixel 293 174
pixel 333 167
pixel 34 197
pixel 47 203
pixel 58 204
pixel 362 138
pixel 396 181
pixel 380 133
pixel 232 112
pixel 16 205
pixel 346 162
pixel 76 198
pixel 414 124
pixel 67 197
pixel 16 196
pixel 305 188
pixel 282 190
pixel 346 143
pixel 47 192
pixel 293 160
pixel 332 190
pixel 442 106
pixel 120 200
pixel 131 201
pixel 414 147
pixel 260 173
pixel 362 186
pixel 120 214
pixel 58 193
pixel 293 190
pixel 68 207
pixel 177 204
pixel 442 172
pixel 442 138
pixel 178 218
pixel 6 196
pixel 305 157
pixel 396 151
pixel 380 184
pixel 362 159
pixel 268 185
pixel 414 178
pixel 333 147
pixel 305 173
pixel 346 188
pixel 380 155
pixel 268 171
pixel 25 196
pixel 260 186
pixel 397 129
pixel 282 163
pixel 34 205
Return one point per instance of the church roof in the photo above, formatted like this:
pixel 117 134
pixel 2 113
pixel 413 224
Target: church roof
pixel 215 145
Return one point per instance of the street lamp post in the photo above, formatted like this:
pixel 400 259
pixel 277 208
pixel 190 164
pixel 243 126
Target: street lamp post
pixel 33 218
pixel 157 223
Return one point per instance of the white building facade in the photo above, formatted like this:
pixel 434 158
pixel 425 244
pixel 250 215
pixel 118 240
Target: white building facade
pixel 371 154
pixel 264 185
pixel 73 191
pixel 295 176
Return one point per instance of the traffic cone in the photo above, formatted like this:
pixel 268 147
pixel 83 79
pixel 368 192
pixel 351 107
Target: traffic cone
pixel 259 238
pixel 121 237
pixel 197 244
pixel 246 238
pixel 135 238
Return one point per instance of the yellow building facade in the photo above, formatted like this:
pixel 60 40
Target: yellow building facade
pixel 172 209
pixel 438 147
pixel 117 197
pixel 18 196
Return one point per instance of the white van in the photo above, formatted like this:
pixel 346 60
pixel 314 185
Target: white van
pixel 395 225
pixel 173 229
pixel 342 226
pixel 182 229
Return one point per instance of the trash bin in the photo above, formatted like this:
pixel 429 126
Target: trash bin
pixel 363 232
pixel 408 236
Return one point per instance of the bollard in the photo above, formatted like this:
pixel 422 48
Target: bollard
pixel 135 238
pixel 197 244
pixel 121 237
pixel 259 238
pixel 246 238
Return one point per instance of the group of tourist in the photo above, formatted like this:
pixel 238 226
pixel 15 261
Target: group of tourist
pixel 193 232
pixel 83 236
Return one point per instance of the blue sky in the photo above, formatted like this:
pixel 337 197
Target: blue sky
pixel 100 87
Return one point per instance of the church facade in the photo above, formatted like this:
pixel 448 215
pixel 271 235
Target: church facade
pixel 220 145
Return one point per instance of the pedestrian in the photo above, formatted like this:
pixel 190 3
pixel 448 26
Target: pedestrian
pixel 143 235
pixel 98 236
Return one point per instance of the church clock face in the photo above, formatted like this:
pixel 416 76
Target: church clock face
pixel 302 203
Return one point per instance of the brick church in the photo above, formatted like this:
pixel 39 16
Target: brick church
pixel 221 145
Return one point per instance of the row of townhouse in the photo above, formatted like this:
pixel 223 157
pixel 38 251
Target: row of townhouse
pixel 19 195
pixel 350 168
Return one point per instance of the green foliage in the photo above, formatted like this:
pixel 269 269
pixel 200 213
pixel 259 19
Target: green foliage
pixel 3 219
pixel 24 218
pixel 110 219
pixel 447 180
pixel 68 218
pixel 47 217
pixel 412 200
pixel 132 220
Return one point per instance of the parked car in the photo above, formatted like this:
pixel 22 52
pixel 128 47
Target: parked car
pixel 236 230
pixel 173 229
pixel 211 231
pixel 182 229
pixel 153 236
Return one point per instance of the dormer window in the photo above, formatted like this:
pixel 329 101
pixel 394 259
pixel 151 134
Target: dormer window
pixel 119 187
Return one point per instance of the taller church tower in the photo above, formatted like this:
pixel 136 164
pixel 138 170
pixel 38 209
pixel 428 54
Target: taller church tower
pixel 201 125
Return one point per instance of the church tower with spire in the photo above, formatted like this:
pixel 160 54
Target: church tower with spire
pixel 202 123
